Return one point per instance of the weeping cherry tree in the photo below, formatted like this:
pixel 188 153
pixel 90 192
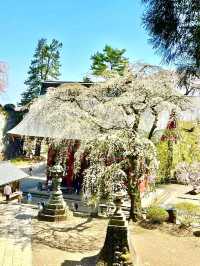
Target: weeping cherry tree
pixel 109 120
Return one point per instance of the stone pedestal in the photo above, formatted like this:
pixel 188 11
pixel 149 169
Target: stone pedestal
pixel 116 248
pixel 55 209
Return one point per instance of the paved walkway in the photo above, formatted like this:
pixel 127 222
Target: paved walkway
pixel 15 235
pixel 30 184
pixel 175 193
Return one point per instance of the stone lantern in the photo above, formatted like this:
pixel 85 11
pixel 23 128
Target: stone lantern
pixel 116 243
pixel 55 209
pixel 56 173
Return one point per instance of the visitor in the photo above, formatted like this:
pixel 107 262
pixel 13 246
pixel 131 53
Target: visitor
pixel 49 185
pixel 31 155
pixel 7 192
pixel 39 206
pixel 30 170
pixel 29 197
pixel 78 187
pixel 19 196
pixel 75 206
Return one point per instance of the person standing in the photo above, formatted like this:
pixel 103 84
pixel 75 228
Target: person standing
pixel 30 170
pixel 7 192
pixel 76 206
pixel 29 197
pixel 49 185
pixel 20 196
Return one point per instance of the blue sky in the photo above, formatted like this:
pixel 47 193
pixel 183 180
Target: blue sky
pixel 83 26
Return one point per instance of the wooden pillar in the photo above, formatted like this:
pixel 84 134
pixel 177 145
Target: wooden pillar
pixel 68 179
pixel 51 159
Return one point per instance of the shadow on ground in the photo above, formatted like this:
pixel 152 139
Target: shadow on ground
pixel 23 216
pixel 148 225
pixel 48 233
pixel 51 228
pixel 88 261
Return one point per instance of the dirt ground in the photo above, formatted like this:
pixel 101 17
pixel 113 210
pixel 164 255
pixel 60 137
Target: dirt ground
pixel 76 242
pixel 71 243
pixel 74 235
pixel 46 256
pixel 159 248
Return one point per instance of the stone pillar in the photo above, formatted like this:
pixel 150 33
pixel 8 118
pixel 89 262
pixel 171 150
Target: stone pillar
pixel 116 247
pixel 55 209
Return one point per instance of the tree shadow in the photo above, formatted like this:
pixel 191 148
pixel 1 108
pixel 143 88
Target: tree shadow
pixel 79 227
pixel 192 192
pixel 87 261
pixel 22 216
pixel 49 230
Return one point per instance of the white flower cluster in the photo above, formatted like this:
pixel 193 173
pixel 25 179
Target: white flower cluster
pixel 188 173
pixel 110 158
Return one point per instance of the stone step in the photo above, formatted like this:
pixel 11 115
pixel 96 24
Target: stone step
pixel 51 218
pixel 54 211
pixel 117 222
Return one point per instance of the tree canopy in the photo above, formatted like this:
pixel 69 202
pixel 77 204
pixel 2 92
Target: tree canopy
pixel 108 116
pixel 110 60
pixel 174 28
pixel 44 66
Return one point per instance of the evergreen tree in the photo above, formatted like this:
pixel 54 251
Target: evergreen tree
pixel 108 61
pixel 44 66
pixel 174 28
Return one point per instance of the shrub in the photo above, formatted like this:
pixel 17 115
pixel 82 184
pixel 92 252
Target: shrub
pixel 186 213
pixel 188 207
pixel 185 149
pixel 156 214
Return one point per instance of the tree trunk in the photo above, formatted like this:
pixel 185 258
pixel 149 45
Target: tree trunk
pixel 134 193
pixel 137 121
pixel 135 210
pixel 154 126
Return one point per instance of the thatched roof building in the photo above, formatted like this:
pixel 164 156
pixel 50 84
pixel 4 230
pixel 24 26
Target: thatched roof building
pixel 56 113
pixel 10 173
pixel 53 115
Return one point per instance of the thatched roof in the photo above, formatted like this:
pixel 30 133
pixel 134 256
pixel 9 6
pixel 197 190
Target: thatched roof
pixel 54 115
pixel 10 173
pixel 48 120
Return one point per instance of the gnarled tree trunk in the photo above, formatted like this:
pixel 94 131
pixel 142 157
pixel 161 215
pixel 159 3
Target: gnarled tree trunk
pixel 135 210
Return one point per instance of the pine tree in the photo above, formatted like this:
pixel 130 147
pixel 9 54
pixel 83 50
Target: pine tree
pixel 174 29
pixel 108 61
pixel 45 65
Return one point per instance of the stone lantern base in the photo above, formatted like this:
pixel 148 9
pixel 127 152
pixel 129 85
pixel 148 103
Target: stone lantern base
pixel 55 209
pixel 116 250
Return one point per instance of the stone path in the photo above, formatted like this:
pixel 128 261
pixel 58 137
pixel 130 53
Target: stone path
pixel 175 193
pixel 15 235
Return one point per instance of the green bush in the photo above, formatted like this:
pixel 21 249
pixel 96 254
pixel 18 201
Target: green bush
pixel 156 214
pixel 186 213
pixel 185 149
pixel 188 207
